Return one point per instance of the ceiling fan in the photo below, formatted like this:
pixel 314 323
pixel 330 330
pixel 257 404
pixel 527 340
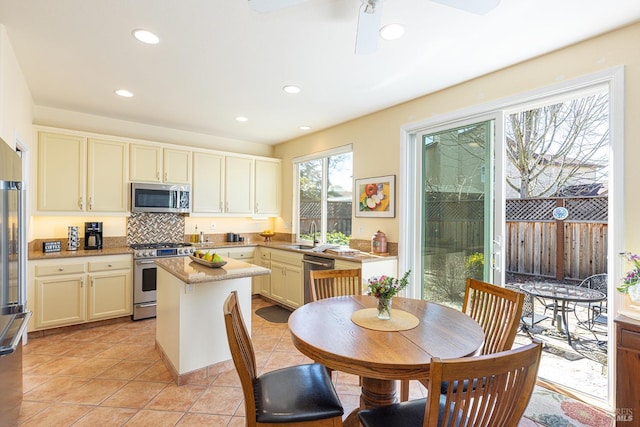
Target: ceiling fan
pixel 370 16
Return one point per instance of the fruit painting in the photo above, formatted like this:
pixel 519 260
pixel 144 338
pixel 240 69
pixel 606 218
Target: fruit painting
pixel 376 196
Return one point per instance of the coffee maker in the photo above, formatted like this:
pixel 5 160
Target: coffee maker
pixel 93 235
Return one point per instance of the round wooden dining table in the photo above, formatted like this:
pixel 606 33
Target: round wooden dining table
pixel 323 331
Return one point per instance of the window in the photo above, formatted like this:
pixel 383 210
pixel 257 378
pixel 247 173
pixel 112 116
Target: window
pixel 324 184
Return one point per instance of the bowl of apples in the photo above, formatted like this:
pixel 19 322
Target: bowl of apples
pixel 267 234
pixel 209 259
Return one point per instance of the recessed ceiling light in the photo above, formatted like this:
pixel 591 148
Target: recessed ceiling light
pixel 124 93
pixel 145 36
pixel 304 127
pixel 291 89
pixel 242 119
pixel 392 31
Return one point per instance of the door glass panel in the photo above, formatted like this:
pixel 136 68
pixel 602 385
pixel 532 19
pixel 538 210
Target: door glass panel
pixel 457 217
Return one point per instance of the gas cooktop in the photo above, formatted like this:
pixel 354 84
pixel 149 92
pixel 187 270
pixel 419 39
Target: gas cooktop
pixel 161 249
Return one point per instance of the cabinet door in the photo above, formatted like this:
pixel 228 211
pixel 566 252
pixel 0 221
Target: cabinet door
pixel 278 285
pixel 60 301
pixel 145 163
pixel 264 282
pixel 62 172
pixel 208 179
pixel 110 295
pixel 177 166
pixel 293 295
pixel 238 185
pixel 107 176
pixel 267 188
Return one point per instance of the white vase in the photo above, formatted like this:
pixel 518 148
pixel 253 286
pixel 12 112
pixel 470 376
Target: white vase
pixel 634 293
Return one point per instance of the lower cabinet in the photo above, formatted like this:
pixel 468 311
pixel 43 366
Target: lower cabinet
pixel 263 283
pixel 245 254
pixel 286 278
pixel 627 399
pixel 66 292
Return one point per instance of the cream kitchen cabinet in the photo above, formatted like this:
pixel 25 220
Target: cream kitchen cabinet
pixel 66 292
pixel 286 278
pixel 374 267
pixel 76 174
pixel 207 192
pixel 238 185
pixel 267 187
pixel 263 283
pixel 153 163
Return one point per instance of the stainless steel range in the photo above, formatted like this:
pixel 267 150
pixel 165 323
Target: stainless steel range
pixel 145 273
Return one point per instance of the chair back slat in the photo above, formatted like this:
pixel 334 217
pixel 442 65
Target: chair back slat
pixel 497 310
pixel 333 283
pixel 242 352
pixel 500 386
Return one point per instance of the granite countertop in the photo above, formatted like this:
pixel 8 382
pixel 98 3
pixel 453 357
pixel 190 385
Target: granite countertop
pixel 38 254
pixel 35 253
pixel 191 272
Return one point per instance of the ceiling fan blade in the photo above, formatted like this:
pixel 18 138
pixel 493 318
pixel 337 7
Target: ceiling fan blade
pixel 479 7
pixel 369 19
pixel 265 6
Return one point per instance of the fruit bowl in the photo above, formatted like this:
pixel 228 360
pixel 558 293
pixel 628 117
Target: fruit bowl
pixel 267 236
pixel 207 263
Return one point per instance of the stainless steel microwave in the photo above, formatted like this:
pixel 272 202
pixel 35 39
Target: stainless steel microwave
pixel 160 198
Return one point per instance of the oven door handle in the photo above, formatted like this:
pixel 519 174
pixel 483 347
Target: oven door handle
pixel 145 262
pixel 152 304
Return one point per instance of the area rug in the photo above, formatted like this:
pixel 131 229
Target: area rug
pixel 550 409
pixel 274 314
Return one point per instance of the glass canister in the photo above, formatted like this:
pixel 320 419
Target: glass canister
pixel 379 243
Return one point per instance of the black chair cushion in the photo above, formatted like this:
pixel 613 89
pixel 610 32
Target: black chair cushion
pixel 405 414
pixel 296 394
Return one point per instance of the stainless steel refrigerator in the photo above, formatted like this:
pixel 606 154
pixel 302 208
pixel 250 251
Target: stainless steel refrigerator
pixel 13 314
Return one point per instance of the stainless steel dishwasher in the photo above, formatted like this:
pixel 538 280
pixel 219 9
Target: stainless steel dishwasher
pixel 312 262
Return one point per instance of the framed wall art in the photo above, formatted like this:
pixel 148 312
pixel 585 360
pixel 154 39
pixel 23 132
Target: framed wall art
pixel 376 197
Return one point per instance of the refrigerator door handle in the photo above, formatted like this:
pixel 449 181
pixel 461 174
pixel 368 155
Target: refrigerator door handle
pixel 19 331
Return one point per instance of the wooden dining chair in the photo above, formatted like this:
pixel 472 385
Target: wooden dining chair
pixel 333 283
pixel 502 387
pixel 301 395
pixel 498 311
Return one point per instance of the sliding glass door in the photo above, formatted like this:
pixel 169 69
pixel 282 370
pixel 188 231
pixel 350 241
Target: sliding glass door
pixel 459 238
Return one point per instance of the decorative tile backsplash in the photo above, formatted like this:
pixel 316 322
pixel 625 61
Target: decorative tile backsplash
pixel 155 228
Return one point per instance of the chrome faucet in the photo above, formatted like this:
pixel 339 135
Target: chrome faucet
pixel 313 229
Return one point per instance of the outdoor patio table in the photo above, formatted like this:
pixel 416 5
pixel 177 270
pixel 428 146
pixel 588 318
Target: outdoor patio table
pixel 562 294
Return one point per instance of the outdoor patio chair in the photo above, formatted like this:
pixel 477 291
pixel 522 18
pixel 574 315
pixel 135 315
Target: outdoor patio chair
pixel 498 311
pixel 502 387
pixel 529 316
pixel 301 395
pixel 596 312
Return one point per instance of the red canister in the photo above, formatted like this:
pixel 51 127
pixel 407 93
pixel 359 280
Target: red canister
pixel 379 243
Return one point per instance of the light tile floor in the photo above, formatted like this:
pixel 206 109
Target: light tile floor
pixel 112 376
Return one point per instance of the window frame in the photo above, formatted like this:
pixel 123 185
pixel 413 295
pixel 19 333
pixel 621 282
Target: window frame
pixel 323 156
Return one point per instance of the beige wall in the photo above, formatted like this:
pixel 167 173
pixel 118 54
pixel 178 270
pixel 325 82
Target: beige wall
pixel 376 137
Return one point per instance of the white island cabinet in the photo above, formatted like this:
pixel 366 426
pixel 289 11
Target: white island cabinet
pixel 190 332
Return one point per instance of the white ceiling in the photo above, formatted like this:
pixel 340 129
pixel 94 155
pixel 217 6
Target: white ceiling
pixel 218 59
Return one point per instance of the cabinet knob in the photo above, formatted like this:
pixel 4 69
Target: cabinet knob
pixel 60 269
pixel 90 203
pixel 81 203
pixel 110 265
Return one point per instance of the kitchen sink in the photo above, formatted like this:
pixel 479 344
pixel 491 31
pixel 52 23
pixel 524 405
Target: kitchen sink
pixel 300 247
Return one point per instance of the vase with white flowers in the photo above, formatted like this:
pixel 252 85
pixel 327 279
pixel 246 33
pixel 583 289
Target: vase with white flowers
pixel 384 288
pixel 631 280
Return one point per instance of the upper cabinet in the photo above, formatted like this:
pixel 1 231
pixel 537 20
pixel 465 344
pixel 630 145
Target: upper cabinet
pixel 207 191
pixel 235 186
pixel 238 185
pixel 76 174
pixel 267 187
pixel 85 174
pixel 150 163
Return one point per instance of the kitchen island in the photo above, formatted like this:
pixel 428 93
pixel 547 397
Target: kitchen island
pixel 190 332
